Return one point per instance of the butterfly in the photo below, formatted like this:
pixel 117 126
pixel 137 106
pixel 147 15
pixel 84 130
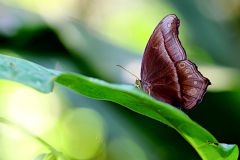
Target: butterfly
pixel 166 73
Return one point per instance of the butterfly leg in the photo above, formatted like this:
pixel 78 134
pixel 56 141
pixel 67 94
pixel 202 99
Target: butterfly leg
pixel 149 91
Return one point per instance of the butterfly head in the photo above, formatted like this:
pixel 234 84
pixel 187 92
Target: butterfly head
pixel 138 83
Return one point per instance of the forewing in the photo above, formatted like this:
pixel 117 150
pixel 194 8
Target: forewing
pixel 159 76
pixel 163 42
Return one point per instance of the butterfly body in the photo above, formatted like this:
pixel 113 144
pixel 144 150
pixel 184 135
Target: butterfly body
pixel 166 73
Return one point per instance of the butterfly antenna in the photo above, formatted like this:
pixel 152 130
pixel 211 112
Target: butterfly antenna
pixel 129 72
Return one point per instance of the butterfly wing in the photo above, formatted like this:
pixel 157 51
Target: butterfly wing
pixel 163 43
pixel 160 75
pixel 193 83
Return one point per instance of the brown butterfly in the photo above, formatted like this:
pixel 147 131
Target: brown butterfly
pixel 166 73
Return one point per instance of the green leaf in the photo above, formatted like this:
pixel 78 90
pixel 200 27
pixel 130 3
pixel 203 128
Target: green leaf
pixel 135 99
pixel 27 73
pixel 126 95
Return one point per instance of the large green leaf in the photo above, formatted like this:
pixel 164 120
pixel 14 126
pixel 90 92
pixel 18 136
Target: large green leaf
pixel 129 96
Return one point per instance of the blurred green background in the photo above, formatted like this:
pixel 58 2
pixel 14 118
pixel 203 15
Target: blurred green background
pixel 91 37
